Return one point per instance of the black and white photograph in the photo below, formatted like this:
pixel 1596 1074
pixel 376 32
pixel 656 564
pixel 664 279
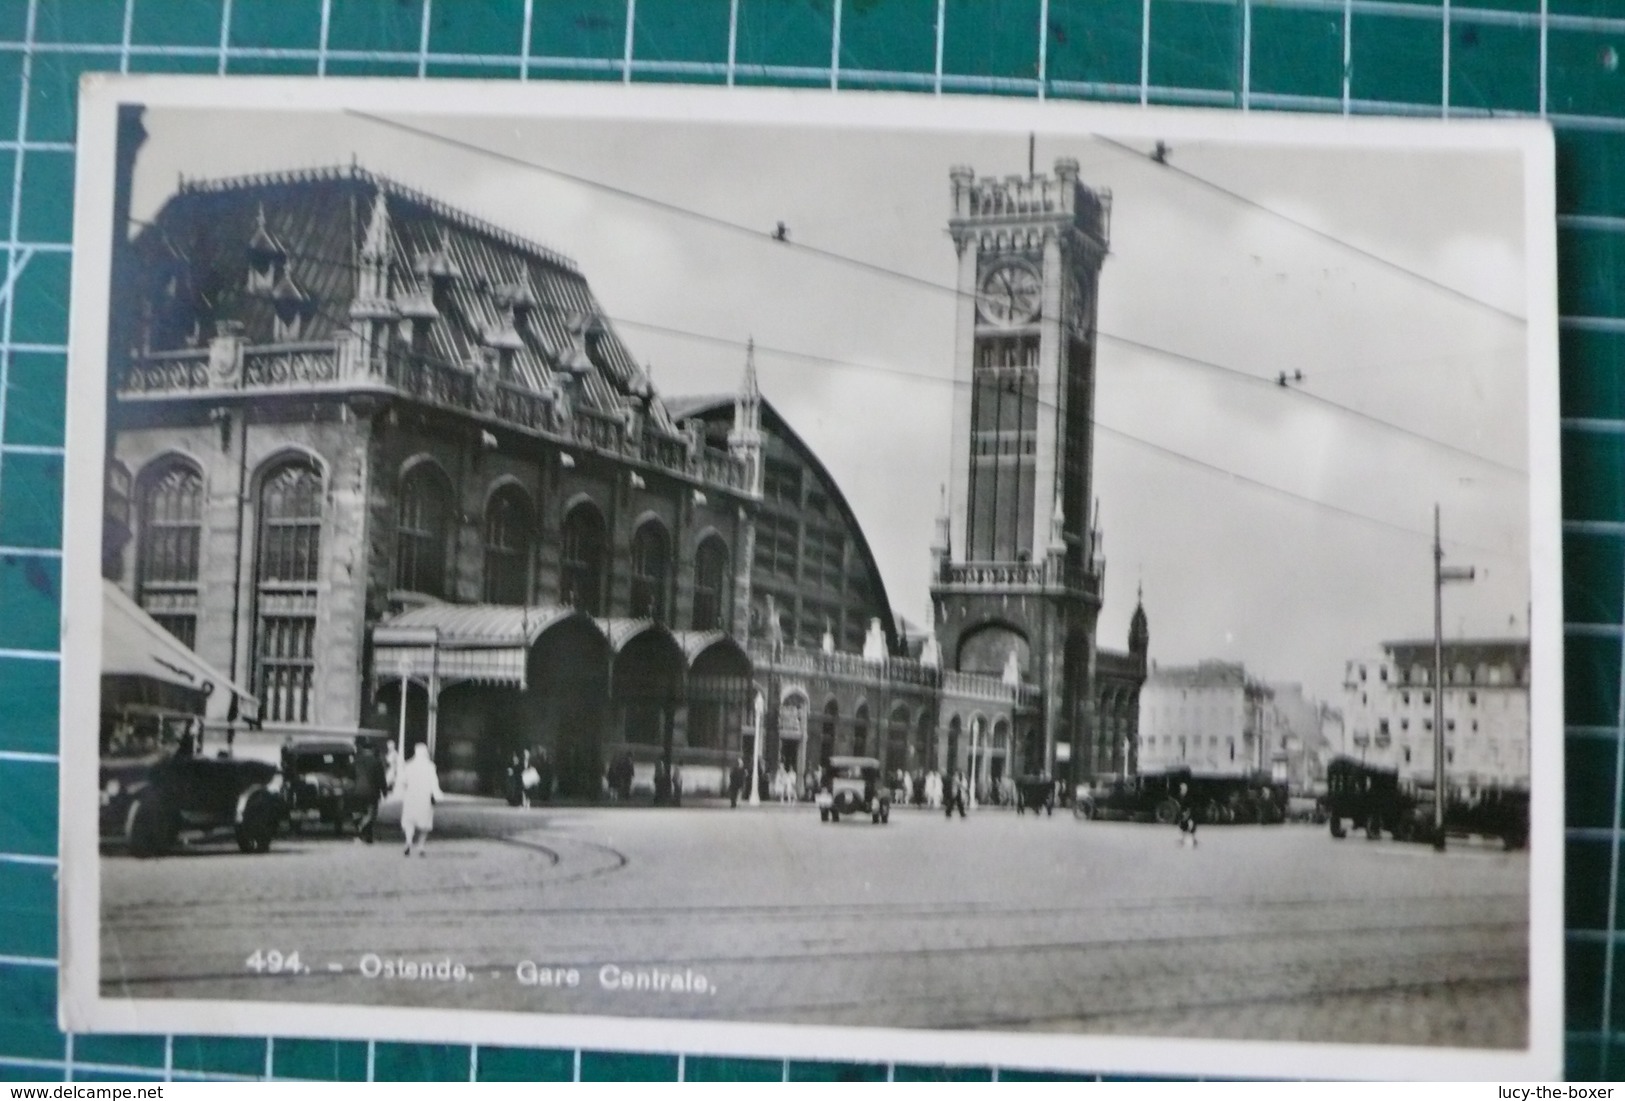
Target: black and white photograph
pixel 791 573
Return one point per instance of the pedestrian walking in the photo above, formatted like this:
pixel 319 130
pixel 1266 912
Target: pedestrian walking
pixel 513 782
pixel 621 770
pixel 530 781
pixel 369 790
pixel 544 772
pixel 419 789
pixel 955 794
pixel 1187 820
pixel 736 781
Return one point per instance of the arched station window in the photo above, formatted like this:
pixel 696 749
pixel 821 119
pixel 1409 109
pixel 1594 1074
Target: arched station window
pixel 651 572
pixel 171 539
pixel 507 547
pixel 713 590
pixel 286 573
pixel 423 535
pixel 582 575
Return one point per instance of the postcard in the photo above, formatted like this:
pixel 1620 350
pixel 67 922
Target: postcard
pixel 879 577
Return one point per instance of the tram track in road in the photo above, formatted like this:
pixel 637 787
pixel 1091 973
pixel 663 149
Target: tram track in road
pixel 602 860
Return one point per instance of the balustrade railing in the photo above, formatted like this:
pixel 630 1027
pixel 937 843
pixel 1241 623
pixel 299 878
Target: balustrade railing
pixel 1047 574
pixel 230 366
pixel 168 372
pixel 289 364
pixel 983 686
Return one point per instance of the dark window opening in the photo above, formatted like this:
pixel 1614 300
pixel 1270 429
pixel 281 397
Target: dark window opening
pixel 712 588
pixel 423 536
pixel 289 564
pixel 507 547
pixel 582 580
pixel 651 570
pixel 171 541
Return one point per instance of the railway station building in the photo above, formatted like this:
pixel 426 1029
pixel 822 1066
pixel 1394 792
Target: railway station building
pixel 392 468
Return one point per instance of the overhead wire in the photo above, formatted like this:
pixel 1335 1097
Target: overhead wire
pixel 756 233
pixel 347 326
pixel 1160 160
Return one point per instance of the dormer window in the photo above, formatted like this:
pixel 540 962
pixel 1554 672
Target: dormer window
pixel 517 300
pixel 292 307
pixel 439 270
pixel 266 257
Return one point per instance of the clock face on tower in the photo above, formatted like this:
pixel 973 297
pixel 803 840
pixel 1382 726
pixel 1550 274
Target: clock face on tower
pixel 1010 294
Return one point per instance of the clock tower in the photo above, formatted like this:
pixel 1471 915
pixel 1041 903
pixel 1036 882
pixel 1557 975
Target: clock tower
pixel 1017 567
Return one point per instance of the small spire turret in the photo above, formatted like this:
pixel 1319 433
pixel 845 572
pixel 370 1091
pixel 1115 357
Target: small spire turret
pixel 1139 629
pixel 745 441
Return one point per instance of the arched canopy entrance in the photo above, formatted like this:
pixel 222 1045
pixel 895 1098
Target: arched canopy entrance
pixel 499 681
pixel 567 675
pixel 719 693
pixel 646 680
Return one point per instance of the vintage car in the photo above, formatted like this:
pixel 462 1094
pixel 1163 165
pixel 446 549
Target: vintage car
pixel 1375 799
pixel 321 786
pixel 852 785
pixel 1137 798
pixel 156 788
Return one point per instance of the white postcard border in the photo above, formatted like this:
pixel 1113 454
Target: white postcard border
pixel 82 1008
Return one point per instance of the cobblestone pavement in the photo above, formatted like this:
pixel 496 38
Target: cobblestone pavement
pixel 996 921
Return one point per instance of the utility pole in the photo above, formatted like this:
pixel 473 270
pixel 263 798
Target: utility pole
pixel 1441 575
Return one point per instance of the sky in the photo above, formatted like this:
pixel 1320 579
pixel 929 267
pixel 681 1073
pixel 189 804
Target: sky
pixel 1265 524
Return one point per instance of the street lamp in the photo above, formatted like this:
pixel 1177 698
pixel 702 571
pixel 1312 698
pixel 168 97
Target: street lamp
pixel 975 730
pixel 756 755
pixel 1442 574
pixel 403 669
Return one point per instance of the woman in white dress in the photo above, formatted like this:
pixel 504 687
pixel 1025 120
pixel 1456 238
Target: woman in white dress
pixel 419 789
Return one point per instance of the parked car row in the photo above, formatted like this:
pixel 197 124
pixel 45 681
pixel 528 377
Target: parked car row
pixel 1374 801
pixel 1167 797
pixel 152 800
pixel 158 788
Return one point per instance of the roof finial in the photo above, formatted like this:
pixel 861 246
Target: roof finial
pixel 376 244
pixel 750 387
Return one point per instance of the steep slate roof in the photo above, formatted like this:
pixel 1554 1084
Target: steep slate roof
pixel 194 261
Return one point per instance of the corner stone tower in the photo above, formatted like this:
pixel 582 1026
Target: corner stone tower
pixel 1020 570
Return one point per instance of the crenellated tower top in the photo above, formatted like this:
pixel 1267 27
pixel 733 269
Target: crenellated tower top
pixel 998 209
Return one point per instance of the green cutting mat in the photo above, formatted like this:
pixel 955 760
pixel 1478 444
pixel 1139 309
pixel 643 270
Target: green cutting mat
pixel 1558 58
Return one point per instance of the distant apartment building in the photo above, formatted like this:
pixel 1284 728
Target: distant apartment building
pixel 1209 717
pixel 1214 718
pixel 1388 710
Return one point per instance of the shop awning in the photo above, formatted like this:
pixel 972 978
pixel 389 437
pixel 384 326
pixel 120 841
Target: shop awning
pixel 482 643
pixel 138 652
